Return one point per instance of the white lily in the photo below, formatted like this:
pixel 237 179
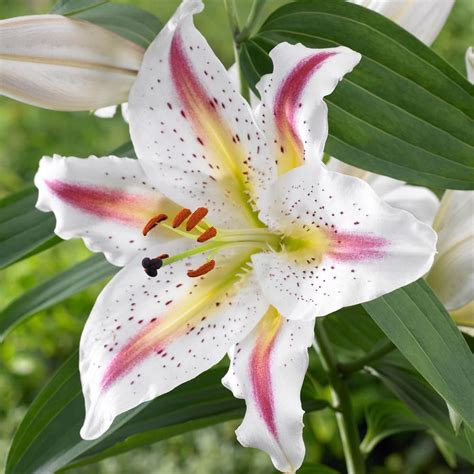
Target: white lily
pixel 275 239
pixel 422 18
pixel 59 63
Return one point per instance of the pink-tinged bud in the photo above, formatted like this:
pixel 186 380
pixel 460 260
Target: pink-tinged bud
pixel 59 63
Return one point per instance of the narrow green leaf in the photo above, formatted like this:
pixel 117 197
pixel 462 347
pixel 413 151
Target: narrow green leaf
pixel 424 402
pixel 386 418
pixel 417 323
pixel 24 230
pixel 128 21
pixel 48 437
pixel 71 7
pixel 402 112
pixel 51 292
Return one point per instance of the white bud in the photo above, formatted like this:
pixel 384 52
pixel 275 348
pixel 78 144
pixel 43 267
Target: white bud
pixel 59 63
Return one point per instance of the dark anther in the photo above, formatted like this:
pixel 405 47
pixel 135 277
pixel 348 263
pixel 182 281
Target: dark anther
pixel 151 266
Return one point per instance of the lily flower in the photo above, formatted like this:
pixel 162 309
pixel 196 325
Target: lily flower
pixel 423 19
pixel 232 235
pixel 59 63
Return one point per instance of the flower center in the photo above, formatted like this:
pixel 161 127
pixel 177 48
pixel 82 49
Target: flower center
pixel 198 229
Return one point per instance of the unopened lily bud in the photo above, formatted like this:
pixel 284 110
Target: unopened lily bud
pixel 59 63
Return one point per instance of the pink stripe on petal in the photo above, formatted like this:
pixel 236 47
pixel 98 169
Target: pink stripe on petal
pixel 287 100
pixel 349 247
pixel 143 345
pixel 261 376
pixel 113 204
pixel 191 92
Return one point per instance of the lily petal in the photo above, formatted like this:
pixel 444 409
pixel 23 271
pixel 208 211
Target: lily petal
pixel 424 19
pixel 192 131
pixel 452 275
pixel 292 113
pixel 105 201
pixel 63 64
pixel 267 370
pixel 419 201
pixel 344 245
pixel 146 336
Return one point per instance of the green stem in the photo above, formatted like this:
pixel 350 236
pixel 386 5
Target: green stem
pixel 252 20
pixel 359 364
pixel 341 401
pixel 236 33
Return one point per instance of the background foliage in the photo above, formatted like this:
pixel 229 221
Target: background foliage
pixel 33 352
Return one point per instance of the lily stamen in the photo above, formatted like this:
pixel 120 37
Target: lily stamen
pixel 202 270
pixel 153 222
pixel 207 235
pixel 196 217
pixel 182 215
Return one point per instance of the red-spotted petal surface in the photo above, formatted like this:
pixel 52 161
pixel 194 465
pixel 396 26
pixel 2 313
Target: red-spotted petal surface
pixel 419 201
pixel 147 335
pixel 267 370
pixel 292 113
pixel 344 245
pixel 105 201
pixel 192 131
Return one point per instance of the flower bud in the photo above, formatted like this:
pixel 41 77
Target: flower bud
pixel 59 63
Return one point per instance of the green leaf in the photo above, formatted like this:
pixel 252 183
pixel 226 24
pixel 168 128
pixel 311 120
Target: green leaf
pixel 24 230
pixel 386 418
pixel 424 402
pixel 417 323
pixel 48 437
pixel 51 292
pixel 132 23
pixel 402 112
pixel 71 7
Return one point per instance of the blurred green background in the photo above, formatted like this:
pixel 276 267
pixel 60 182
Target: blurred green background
pixel 32 352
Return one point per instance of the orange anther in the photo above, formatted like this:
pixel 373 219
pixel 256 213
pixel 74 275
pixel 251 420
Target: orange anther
pixel 153 222
pixel 202 270
pixel 196 217
pixel 163 256
pixel 182 215
pixel 207 234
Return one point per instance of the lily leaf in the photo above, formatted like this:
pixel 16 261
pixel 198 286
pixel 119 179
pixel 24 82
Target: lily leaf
pixel 24 230
pixel 53 291
pixel 417 323
pixel 424 402
pixel 48 437
pixel 402 112
pixel 386 418
pixel 128 21
pixel 71 7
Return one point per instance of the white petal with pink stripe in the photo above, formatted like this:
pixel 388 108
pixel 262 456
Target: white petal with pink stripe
pixel 267 370
pixel 344 245
pixel 105 201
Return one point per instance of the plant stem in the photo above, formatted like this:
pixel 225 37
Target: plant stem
pixel 239 35
pixel 359 364
pixel 341 401
pixel 252 20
